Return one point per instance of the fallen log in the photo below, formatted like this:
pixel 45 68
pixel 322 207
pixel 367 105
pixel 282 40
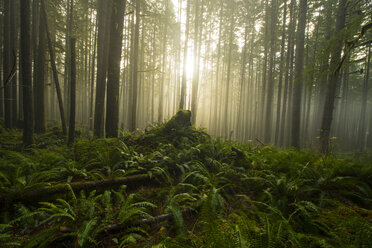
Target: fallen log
pixel 36 195
pixel 119 227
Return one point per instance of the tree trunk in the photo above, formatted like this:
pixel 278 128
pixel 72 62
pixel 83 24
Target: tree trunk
pixel 264 68
pixel 195 78
pixel 112 103
pixel 270 81
pixel 54 68
pixel 92 79
pixel 103 16
pixel 26 74
pixel 39 87
pixel 133 112
pixel 185 54
pixel 297 89
pixel 226 112
pixel 216 124
pixel 285 123
pixel 281 70
pixel 71 126
pixel 333 80
pixel 5 109
pixel 363 111
pixel 14 42
pixel 164 61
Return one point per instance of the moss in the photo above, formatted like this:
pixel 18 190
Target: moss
pixel 182 119
pixel 177 131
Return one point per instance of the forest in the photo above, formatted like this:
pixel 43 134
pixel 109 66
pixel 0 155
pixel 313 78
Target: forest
pixel 185 123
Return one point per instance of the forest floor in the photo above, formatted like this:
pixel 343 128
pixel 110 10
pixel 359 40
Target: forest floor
pixel 175 186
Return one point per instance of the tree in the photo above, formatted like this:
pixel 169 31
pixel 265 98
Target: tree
pixel 26 73
pixel 39 84
pixel 54 68
pixel 13 82
pixel 133 103
pixel 363 110
pixel 71 127
pixel 112 103
pixel 5 97
pixel 297 88
pixel 334 78
pixel 281 71
pixel 103 16
pixel 197 46
pixel 270 81
pixel 164 61
pixel 185 54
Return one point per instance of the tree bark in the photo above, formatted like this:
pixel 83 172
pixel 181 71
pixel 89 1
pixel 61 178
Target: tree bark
pixel 104 13
pixel 54 68
pixel 195 78
pixel 71 126
pixel 270 81
pixel 133 107
pixel 185 54
pixel 112 103
pixel 163 74
pixel 363 111
pixel 5 110
pixel 297 88
pixel 334 78
pixel 14 42
pixel 39 87
pixel 281 71
pixel 26 74
pixel 226 112
pixel 92 79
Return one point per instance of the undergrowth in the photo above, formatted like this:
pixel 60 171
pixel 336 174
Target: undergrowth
pixel 216 193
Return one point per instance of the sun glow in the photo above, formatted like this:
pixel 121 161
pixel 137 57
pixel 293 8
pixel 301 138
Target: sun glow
pixel 189 67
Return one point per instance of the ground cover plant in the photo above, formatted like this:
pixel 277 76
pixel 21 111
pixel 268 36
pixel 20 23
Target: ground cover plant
pixel 175 186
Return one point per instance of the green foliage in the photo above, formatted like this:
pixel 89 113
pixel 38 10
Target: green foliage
pixel 219 194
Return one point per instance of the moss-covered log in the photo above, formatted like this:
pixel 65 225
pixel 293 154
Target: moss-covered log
pixel 114 228
pixel 36 195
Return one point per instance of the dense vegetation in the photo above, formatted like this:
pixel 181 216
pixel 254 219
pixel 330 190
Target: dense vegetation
pixel 174 186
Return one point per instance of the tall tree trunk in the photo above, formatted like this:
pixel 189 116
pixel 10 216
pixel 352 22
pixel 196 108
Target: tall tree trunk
pixel 14 42
pixel 54 68
pixel 92 79
pixel 285 123
pixel 5 110
pixel 164 60
pixel 39 87
pixel 71 127
pixel 240 114
pixel 297 89
pixel 195 78
pixel 324 67
pixel 363 111
pixel 270 81
pixel 112 103
pixel 226 112
pixel 185 54
pixel 264 67
pixel 104 13
pixel 26 73
pixel 281 70
pixel 133 107
pixel 216 124
pixel 334 78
